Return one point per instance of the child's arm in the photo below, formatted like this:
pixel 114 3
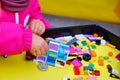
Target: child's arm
pixel 14 39
pixel 36 13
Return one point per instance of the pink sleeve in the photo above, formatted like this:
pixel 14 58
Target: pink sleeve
pixel 14 39
pixel 36 13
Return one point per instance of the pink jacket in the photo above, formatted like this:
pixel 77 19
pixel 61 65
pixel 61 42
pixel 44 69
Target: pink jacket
pixel 14 38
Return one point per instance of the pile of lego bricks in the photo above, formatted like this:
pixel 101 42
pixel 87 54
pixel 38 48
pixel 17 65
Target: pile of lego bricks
pixel 77 50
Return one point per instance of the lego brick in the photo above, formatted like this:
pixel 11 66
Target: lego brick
pixel 97 72
pixel 100 62
pixel 110 54
pixel 93 53
pixel 118 56
pixel 77 62
pixel 76 70
pixel 88 68
pixel 71 41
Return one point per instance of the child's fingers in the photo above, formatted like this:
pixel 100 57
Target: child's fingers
pixel 33 52
pixel 38 52
pixel 40 27
pixel 42 30
pixel 37 28
pixel 46 48
pixel 42 50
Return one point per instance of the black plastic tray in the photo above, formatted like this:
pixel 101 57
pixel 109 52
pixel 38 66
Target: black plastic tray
pixel 83 29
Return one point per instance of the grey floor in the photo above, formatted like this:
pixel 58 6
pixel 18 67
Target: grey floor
pixel 57 21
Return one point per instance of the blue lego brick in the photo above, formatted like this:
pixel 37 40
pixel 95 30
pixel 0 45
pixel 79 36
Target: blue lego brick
pixel 72 41
pixel 88 68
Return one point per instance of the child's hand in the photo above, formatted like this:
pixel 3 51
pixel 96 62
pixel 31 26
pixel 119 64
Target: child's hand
pixel 37 27
pixel 39 46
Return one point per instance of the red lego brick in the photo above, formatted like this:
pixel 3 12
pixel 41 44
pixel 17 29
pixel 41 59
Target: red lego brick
pixel 76 70
pixel 68 62
pixel 118 57
pixel 97 72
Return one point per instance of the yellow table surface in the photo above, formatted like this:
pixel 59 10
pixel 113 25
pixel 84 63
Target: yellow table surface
pixel 98 10
pixel 17 68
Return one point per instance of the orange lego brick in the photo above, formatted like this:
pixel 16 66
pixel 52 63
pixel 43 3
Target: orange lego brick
pixel 110 54
pixel 93 53
pixel 101 62
pixel 95 35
